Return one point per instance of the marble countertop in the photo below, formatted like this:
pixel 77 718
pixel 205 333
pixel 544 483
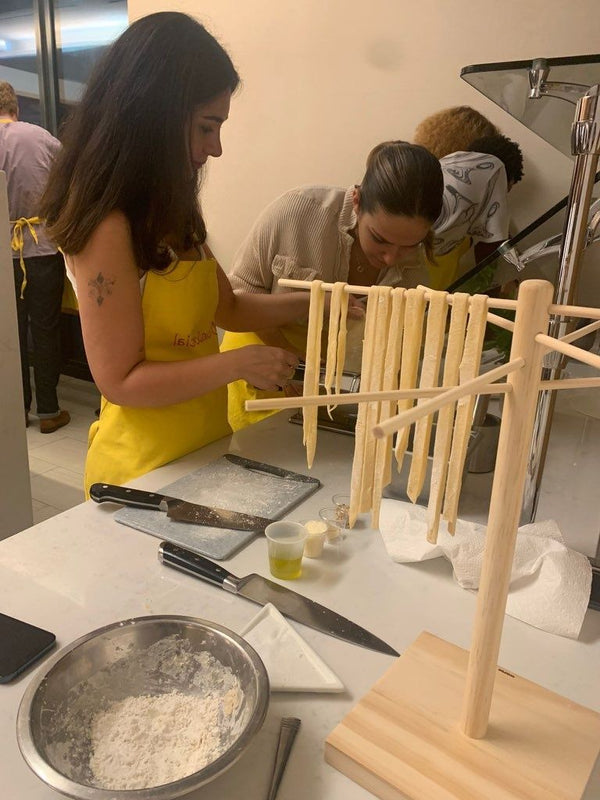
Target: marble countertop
pixel 81 570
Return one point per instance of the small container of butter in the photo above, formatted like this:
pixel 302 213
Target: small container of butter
pixel 316 533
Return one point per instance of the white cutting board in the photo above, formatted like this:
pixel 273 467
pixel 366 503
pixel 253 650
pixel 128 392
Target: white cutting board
pixel 226 485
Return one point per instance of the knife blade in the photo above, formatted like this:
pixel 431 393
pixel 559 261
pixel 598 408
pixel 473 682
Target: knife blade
pixel 177 509
pixel 261 590
pixel 269 469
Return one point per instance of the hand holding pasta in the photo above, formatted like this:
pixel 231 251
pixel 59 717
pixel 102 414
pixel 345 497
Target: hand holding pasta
pixel 267 368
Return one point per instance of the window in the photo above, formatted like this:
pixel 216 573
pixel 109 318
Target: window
pixel 48 49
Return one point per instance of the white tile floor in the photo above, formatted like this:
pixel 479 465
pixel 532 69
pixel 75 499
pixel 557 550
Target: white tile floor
pixel 56 459
pixel 569 488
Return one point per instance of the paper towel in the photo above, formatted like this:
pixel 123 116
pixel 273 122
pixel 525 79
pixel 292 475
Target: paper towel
pixel 550 584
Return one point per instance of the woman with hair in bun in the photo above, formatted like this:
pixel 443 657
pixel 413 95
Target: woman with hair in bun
pixel 377 232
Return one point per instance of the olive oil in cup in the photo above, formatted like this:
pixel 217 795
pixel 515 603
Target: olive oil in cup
pixel 285 543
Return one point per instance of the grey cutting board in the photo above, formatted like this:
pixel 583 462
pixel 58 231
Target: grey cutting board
pixel 226 485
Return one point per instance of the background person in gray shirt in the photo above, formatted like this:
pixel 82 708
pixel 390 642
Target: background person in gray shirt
pixel 26 154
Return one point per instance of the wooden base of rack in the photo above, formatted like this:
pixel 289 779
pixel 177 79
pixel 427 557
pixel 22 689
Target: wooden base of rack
pixel 402 739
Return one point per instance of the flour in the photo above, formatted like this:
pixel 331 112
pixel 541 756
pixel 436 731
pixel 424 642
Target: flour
pixel 150 740
pixel 152 717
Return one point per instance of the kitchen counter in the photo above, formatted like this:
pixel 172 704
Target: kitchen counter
pixel 81 570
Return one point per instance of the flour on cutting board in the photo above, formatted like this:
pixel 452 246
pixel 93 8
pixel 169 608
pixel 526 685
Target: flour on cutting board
pixel 221 484
pixel 225 485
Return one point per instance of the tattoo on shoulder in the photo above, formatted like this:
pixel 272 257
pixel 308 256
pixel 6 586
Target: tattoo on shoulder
pixel 100 288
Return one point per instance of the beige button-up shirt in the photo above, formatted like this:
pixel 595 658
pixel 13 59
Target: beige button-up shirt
pixel 305 234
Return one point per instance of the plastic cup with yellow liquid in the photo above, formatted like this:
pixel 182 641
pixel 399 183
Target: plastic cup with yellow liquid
pixel 285 543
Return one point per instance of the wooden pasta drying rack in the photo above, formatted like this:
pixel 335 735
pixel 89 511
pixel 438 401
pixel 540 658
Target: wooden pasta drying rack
pixel 442 722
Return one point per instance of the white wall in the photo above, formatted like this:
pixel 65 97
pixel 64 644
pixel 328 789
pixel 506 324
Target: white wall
pixel 324 81
pixel 15 495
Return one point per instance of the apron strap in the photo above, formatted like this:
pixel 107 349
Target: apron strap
pixel 17 241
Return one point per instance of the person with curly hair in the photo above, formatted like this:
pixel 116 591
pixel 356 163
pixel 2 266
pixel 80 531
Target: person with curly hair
pixel 452 129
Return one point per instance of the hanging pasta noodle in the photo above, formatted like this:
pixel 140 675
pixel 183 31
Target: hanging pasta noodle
pixel 312 369
pixel 411 351
pixel 469 368
pixel 443 436
pixel 430 371
pixel 360 431
pixel 341 343
pixel 332 338
pixel 382 472
pixel 376 349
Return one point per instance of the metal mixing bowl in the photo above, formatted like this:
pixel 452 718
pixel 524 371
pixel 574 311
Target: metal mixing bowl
pixel 111 664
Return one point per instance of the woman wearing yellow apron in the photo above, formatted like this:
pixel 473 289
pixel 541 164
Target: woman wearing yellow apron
pixel 127 442
pixel 122 203
pixel 375 233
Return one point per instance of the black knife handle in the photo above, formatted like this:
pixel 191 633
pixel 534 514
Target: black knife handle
pixel 108 493
pixel 179 558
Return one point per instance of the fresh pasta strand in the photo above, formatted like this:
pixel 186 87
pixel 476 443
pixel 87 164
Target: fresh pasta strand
pixel 383 450
pixel 341 342
pixel 411 350
pixel 432 354
pixel 360 431
pixel 469 368
pixel 332 338
pixel 443 437
pixel 376 349
pixel 312 369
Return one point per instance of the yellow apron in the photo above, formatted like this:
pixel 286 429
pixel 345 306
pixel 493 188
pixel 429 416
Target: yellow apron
pixel 445 269
pixel 179 310
pixel 240 391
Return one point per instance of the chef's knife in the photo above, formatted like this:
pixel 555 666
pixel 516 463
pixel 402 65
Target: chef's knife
pixel 260 590
pixel 178 510
pixel 269 469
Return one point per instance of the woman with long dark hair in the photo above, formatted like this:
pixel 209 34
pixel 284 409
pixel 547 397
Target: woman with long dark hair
pixel 121 203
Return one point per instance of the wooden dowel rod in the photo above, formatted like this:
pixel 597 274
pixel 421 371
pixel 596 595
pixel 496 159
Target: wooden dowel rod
pixel 472 386
pixel 570 383
pixel 494 302
pixel 574 311
pixel 350 398
pixel 578 334
pixel 294 283
pixel 518 416
pixel 501 322
pixel 568 350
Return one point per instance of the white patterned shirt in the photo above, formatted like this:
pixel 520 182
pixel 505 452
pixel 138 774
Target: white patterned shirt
pixel 475 201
